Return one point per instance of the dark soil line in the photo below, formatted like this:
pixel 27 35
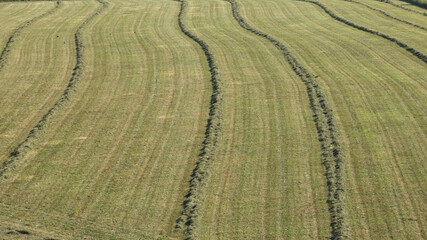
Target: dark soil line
pixel 388 15
pixel 402 7
pixel 333 159
pixel 414 52
pixel 5 52
pixel 190 215
pixel 78 74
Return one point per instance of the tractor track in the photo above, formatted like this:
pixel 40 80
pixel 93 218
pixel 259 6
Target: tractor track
pixel 7 48
pixel 414 52
pixel 77 75
pixel 189 218
pixel 333 159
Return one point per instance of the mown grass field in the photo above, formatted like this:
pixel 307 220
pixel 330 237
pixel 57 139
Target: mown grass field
pixel 213 119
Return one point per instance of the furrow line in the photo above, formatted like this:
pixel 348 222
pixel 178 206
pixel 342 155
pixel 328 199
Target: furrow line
pixel 402 7
pixel 189 218
pixel 388 15
pixel 77 75
pixel 5 52
pixel 414 52
pixel 333 159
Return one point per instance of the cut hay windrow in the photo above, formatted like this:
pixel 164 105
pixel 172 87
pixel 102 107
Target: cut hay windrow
pixel 414 52
pixel 387 15
pixel 402 7
pixel 333 159
pixel 77 75
pixel 190 215
pixel 418 3
pixel 5 52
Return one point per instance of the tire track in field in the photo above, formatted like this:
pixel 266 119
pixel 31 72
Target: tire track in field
pixel 402 7
pixel 387 15
pixel 333 159
pixel 5 52
pixel 189 218
pixel 414 52
pixel 77 75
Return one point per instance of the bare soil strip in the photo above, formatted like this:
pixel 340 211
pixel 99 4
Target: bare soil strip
pixel 5 52
pixel 77 75
pixel 189 215
pixel 326 129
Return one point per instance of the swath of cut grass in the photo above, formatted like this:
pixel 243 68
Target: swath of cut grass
pixel 128 138
pixel 7 48
pixel 388 15
pixel 269 139
pixel 413 51
pixel 419 3
pixel 194 198
pixel 116 161
pixel 402 7
pixel 326 128
pixel 376 91
pixel 77 75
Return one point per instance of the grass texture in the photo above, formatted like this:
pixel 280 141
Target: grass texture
pixel 213 119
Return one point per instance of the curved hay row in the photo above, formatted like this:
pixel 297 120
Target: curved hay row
pixel 388 15
pixel 78 73
pixel 200 175
pixel 402 7
pixel 5 52
pixel 414 52
pixel 418 3
pixel 326 128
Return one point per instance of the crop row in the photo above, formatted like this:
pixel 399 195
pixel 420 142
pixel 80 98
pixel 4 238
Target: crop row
pixel 191 207
pixel 333 158
pixel 77 74
pixel 388 15
pixel 414 52
pixel 5 52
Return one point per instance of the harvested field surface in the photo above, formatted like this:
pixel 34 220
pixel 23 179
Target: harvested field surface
pixel 213 119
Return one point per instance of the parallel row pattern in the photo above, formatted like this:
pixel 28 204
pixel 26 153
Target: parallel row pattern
pixel 414 52
pixel 326 128
pixel 388 15
pixel 402 7
pixel 77 76
pixel 5 52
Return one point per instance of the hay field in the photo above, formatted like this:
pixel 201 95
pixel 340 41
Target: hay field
pixel 213 119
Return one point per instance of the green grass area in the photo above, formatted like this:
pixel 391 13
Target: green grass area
pixel 132 128
pixel 122 118
pixel 269 139
pixel 377 96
